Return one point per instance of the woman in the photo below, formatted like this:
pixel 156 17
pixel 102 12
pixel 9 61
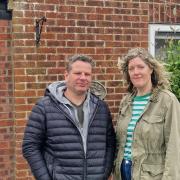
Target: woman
pixel 148 126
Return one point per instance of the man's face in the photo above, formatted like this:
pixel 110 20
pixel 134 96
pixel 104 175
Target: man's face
pixel 78 79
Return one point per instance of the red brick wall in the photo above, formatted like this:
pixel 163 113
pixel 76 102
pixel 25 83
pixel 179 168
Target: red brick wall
pixel 6 102
pixel 104 30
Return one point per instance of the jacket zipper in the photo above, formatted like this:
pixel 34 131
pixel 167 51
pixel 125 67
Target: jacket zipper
pixel 90 122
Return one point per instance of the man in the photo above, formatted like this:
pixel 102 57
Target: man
pixel 69 134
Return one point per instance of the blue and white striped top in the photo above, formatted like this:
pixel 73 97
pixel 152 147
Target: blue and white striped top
pixel 139 103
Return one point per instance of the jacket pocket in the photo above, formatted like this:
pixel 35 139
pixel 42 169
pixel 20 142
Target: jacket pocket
pixel 152 171
pixel 152 132
pixel 49 163
pixel 153 119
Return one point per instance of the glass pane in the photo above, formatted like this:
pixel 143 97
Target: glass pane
pixel 161 42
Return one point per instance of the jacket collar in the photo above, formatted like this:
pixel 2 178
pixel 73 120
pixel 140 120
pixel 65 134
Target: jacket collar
pixel 153 98
pixel 155 94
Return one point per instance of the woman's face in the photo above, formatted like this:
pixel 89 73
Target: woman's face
pixel 140 75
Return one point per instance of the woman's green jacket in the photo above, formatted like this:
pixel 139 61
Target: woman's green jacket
pixel 156 139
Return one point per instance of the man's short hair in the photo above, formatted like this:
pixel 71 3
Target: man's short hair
pixel 78 57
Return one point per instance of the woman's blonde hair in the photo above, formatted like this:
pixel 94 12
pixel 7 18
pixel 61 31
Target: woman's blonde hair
pixel 159 76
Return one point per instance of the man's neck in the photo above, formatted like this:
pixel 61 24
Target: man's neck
pixel 75 98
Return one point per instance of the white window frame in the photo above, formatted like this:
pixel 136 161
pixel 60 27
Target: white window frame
pixel 10 5
pixel 153 28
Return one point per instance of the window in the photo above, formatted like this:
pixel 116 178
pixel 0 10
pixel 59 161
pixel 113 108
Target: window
pixel 159 34
pixel 4 13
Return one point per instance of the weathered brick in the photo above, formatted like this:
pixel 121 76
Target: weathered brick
pixel 104 30
pixel 86 10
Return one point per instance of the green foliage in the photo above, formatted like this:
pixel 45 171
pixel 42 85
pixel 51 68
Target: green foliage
pixel 173 65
